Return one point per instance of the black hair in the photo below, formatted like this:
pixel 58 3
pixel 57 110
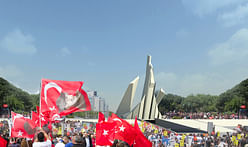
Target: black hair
pixel 78 139
pixel 41 137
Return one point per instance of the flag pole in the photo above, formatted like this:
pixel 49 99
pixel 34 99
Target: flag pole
pixel 10 125
pixel 40 103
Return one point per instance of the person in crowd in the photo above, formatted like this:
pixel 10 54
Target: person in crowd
pixel 42 140
pixel 78 141
pixel 60 143
pixel 15 142
pixel 208 142
pixel 63 142
pixel 88 140
pixel 122 144
pixel 66 140
pixel 222 143
pixel 26 143
pixel 93 140
pixel 69 143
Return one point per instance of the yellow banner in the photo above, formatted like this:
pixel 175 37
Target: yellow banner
pixel 60 131
pixel 239 136
pixel 181 143
pixel 165 133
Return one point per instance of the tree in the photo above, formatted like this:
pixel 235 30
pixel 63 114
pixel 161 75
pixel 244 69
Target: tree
pixel 234 104
pixel 14 103
pixel 170 102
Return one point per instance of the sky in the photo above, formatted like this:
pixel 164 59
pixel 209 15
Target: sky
pixel 197 46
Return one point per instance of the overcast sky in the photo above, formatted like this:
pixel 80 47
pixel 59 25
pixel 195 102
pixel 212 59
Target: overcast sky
pixel 197 46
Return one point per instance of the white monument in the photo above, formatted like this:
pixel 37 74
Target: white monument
pixel 126 103
pixel 147 109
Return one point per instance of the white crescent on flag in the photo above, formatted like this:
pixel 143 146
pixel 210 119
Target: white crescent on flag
pixel 117 119
pixel 51 85
pixel 55 116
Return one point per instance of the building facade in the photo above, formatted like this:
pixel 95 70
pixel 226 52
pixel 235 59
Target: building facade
pixel 98 103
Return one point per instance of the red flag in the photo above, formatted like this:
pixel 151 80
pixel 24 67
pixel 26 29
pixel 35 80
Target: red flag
pixel 43 117
pixel 105 132
pixel 38 109
pixel 22 127
pixel 63 97
pixel 35 118
pixel 101 117
pixel 140 139
pixel 123 130
pixel 3 142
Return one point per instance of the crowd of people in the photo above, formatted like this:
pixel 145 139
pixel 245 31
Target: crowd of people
pixel 82 134
pixel 202 115
pixel 239 138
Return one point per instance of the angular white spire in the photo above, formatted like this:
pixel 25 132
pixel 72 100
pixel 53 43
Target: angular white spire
pixel 127 100
pixel 148 90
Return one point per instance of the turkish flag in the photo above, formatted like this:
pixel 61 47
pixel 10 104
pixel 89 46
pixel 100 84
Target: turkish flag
pixel 22 127
pixel 38 109
pixel 123 130
pixel 35 118
pixel 3 142
pixel 44 117
pixel 101 117
pixel 63 97
pixel 105 132
pixel 140 139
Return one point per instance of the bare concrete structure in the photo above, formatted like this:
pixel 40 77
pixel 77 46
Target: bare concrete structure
pixel 126 103
pixel 147 109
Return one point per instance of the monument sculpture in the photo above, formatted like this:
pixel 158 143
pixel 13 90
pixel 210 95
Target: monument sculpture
pixel 147 109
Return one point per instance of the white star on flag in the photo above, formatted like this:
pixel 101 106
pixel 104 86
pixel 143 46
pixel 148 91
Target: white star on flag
pixel 20 133
pixel 105 132
pixel 43 119
pixel 122 128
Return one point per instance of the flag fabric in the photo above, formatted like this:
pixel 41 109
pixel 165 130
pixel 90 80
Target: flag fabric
pixel 63 97
pixel 3 142
pixel 38 109
pixel 44 118
pixel 123 130
pixel 35 118
pixel 105 132
pixel 22 127
pixel 140 139
pixel 101 117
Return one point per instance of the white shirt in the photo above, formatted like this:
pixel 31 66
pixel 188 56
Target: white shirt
pixel 222 144
pixel 60 144
pixel 47 143
pixel 87 142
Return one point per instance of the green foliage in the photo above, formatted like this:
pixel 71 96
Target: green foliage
pixel 35 100
pixel 16 98
pixel 234 104
pixel 170 103
pixel 14 103
pixel 229 101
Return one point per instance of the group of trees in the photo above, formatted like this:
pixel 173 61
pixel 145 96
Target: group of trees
pixel 229 101
pixel 15 98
